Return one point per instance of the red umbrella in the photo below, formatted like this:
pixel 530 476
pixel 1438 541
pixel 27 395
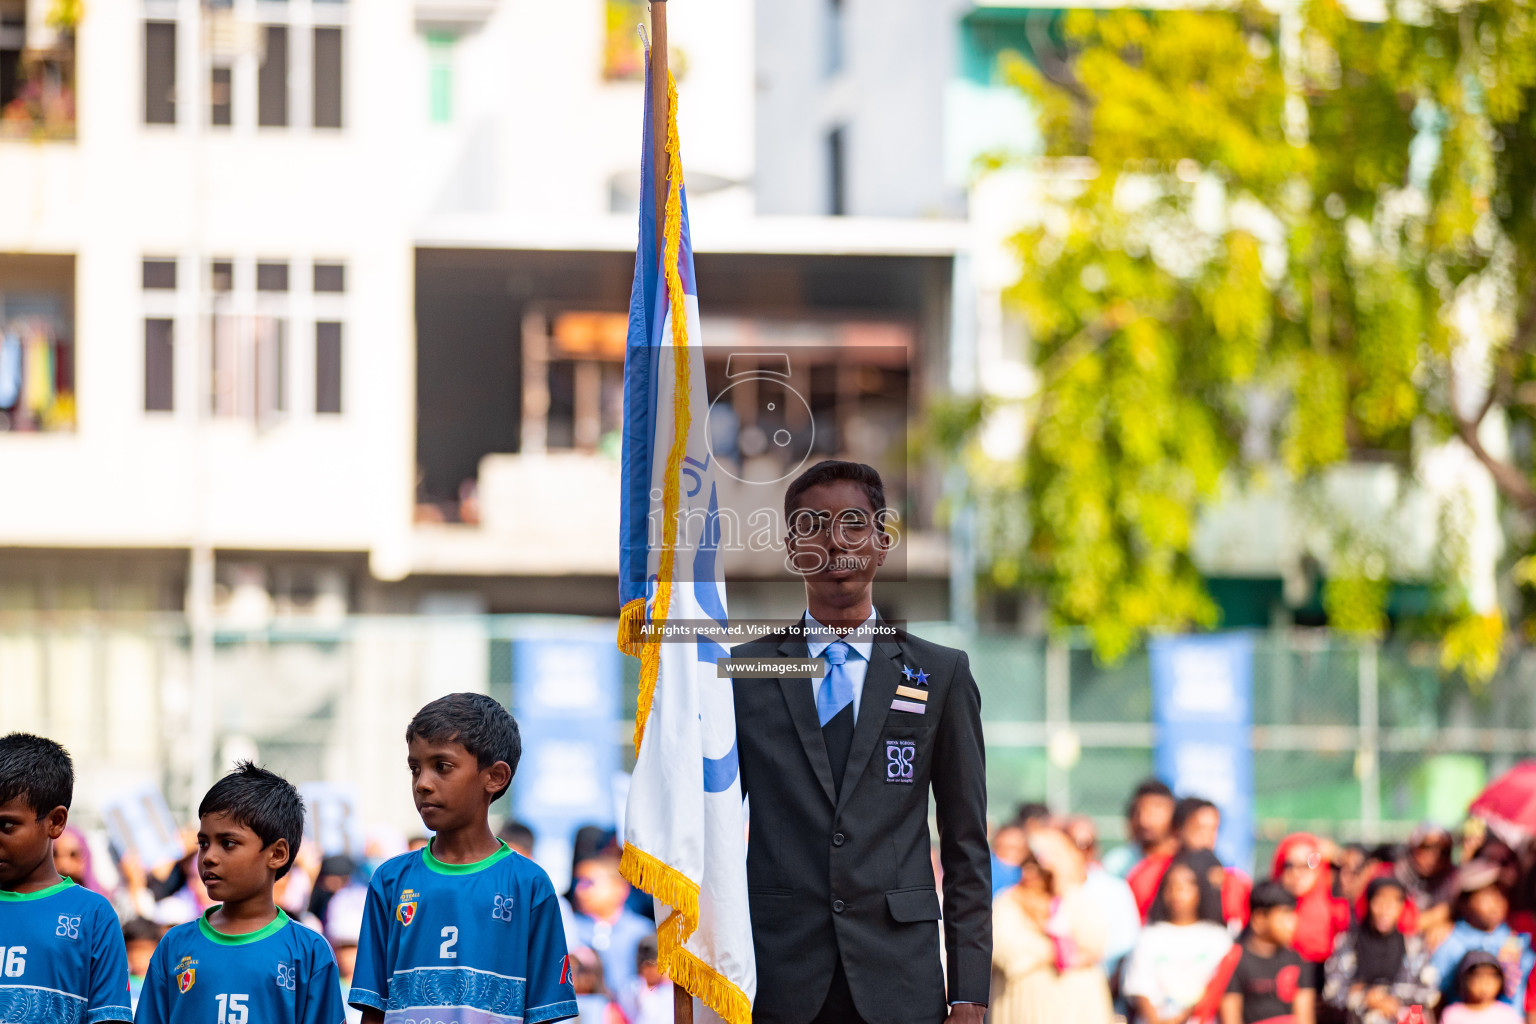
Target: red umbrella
pixel 1509 802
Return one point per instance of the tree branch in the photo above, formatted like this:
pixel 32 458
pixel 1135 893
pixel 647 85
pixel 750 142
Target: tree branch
pixel 1508 479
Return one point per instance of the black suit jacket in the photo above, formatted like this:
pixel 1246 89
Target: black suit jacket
pixel 849 873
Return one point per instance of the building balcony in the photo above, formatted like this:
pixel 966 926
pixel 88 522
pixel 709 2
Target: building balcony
pixel 37 71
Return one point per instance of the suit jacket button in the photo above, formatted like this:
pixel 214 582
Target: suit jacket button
pixel 837 906
pixel 837 839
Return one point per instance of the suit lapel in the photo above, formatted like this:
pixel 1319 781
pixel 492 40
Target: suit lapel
pixel 880 684
pixel 802 710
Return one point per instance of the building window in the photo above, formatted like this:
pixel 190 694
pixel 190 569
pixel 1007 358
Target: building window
pixel 440 80
pixel 159 72
pixel 837 172
pixel 330 277
pixel 836 31
pixel 328 77
pixel 159 365
pixel 272 79
pixel 221 106
pixel 271 367
pixel 159 274
pixel 272 276
pixel 327 367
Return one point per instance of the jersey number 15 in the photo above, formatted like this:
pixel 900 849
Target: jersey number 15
pixel 232 1008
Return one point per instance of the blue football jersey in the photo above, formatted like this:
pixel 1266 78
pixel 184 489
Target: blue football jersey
pixel 282 974
pixel 61 957
pixel 473 943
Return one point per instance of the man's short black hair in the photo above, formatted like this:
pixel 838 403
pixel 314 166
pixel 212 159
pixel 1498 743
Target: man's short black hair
pixel 1268 896
pixel 262 801
pixel 1146 788
pixel 476 722
pixel 1188 807
pixel 38 769
pixel 834 469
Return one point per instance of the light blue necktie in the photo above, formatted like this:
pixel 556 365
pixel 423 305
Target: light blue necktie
pixel 836 690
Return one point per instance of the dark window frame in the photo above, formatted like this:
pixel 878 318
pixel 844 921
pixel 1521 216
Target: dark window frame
pixel 272 98
pixel 161 109
pixel 159 364
pixel 272 276
pixel 159 273
pixel 328 91
pixel 330 364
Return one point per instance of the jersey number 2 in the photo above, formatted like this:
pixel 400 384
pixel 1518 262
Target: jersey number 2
pixel 450 936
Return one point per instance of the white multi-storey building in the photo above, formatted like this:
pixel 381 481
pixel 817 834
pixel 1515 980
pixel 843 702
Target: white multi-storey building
pixel 312 310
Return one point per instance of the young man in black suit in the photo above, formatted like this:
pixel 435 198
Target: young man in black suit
pixel 845 916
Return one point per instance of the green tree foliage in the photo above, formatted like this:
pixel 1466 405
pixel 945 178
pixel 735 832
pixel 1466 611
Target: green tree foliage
pixel 1242 206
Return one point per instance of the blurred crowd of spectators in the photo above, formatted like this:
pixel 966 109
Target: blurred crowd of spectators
pixel 1159 931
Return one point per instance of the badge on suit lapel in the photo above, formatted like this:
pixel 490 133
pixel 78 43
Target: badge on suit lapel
pixel 900 761
pixel 912 696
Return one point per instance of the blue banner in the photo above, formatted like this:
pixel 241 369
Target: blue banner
pixel 565 696
pixel 1202 709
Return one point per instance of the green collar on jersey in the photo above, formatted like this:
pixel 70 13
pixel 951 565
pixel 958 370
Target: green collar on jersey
pixel 6 896
pixel 503 851
pixel 212 934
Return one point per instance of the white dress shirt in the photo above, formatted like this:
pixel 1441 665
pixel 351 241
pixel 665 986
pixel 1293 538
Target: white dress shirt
pixel 861 644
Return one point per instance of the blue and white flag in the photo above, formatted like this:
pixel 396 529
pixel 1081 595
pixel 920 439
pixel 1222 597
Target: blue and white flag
pixel 684 829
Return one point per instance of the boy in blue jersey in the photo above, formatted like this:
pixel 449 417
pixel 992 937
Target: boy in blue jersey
pixel 61 951
pixel 244 961
pixel 464 930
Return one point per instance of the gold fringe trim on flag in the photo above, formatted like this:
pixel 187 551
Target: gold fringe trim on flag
pixel 650 657
pixel 661 880
pixel 681 893
pixel 631 618
pixel 717 991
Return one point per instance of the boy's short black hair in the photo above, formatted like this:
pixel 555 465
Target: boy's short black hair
pixel 645 951
pixel 1146 788
pixel 38 769
pixel 1476 960
pixel 515 833
pixel 1268 896
pixel 476 722
pixel 138 929
pixel 828 470
pixel 1188 807
pixel 262 801
pixel 1030 811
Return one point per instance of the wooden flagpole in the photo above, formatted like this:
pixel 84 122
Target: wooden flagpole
pixel 682 1002
pixel 660 165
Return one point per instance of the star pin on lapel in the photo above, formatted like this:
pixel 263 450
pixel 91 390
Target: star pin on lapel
pixel 908 697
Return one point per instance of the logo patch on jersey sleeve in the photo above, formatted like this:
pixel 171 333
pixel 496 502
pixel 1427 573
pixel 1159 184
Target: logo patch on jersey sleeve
pixel 405 910
pixel 565 969
pixel 186 974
